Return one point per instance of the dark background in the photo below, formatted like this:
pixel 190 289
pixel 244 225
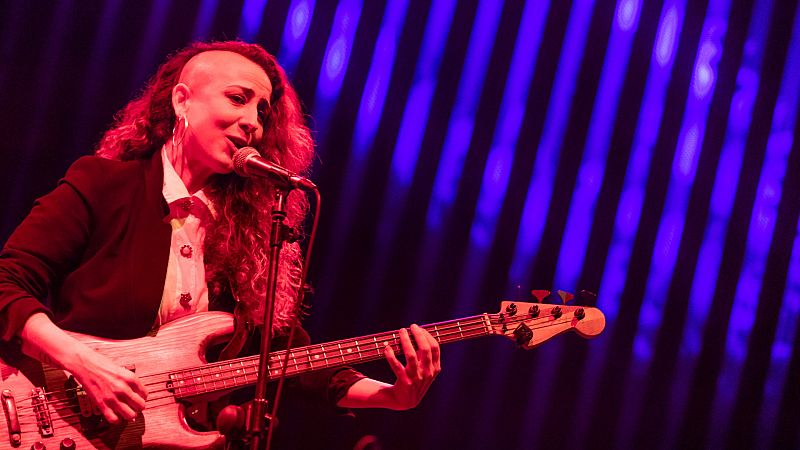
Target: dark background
pixel 657 170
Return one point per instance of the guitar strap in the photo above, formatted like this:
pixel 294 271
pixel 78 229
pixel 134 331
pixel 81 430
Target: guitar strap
pixel 242 329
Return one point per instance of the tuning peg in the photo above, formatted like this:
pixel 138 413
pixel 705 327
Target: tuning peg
pixel 511 309
pixel 540 295
pixel 565 296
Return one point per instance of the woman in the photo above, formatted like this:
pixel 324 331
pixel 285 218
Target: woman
pixel 156 227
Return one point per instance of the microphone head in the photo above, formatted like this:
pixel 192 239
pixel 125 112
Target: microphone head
pixel 240 158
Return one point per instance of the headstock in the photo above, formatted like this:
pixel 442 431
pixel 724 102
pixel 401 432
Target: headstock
pixel 530 324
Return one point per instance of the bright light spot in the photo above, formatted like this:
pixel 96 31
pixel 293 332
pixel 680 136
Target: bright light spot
pixel 665 43
pixel 627 13
pixel 300 17
pixel 335 61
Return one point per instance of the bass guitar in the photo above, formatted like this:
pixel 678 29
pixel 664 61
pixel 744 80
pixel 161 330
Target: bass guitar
pixel 43 405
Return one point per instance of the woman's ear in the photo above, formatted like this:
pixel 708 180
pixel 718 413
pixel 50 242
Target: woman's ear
pixel 180 95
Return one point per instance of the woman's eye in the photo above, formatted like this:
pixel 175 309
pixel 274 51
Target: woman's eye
pixel 239 99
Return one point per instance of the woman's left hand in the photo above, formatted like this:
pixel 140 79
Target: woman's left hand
pixel 421 368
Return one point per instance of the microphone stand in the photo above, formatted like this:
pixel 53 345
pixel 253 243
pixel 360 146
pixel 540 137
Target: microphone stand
pixel 257 418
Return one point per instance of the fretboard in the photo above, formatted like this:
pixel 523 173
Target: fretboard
pixel 242 372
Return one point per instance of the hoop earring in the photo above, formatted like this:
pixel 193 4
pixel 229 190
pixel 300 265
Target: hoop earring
pixel 183 131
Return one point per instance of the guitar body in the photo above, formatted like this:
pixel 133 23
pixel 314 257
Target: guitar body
pixel 177 345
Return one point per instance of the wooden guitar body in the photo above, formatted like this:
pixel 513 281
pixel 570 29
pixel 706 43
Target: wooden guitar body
pixel 178 345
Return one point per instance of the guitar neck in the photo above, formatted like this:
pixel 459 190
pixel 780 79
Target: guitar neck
pixel 236 373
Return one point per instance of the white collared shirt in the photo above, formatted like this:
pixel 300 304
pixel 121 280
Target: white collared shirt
pixel 185 288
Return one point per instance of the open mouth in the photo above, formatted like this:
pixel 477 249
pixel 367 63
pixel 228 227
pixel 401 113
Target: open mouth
pixel 237 142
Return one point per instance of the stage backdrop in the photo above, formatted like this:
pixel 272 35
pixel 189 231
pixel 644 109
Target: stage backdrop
pixel 470 151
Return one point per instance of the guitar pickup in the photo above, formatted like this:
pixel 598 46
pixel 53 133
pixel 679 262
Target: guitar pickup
pixel 41 410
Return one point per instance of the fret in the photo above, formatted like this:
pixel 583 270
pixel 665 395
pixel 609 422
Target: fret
pixel 341 353
pixel 460 332
pixel 324 355
pixel 377 348
pixel 310 364
pixel 232 372
pixel 436 334
pixel 358 350
pixel 296 368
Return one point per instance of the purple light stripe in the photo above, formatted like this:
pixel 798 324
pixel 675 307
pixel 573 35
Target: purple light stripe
pixel 590 173
pixel 459 131
pixel 454 150
pixel 781 351
pixel 156 24
pixel 369 116
pixel 540 189
pixel 630 204
pixel 295 32
pixel 334 64
pixel 415 114
pixel 205 17
pixel 501 156
pixel 414 121
pixel 670 230
pixel 722 198
pixel 252 16
pixel 95 73
pixel 759 239
pixel 589 180
pixel 512 110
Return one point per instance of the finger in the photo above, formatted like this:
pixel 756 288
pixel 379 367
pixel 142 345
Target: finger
pixel 436 354
pixel 408 352
pixel 125 412
pixel 132 398
pixel 110 416
pixel 139 389
pixel 394 363
pixel 425 367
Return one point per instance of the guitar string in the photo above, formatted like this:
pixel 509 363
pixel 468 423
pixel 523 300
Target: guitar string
pixel 252 365
pixel 276 359
pixel 443 336
pixel 214 382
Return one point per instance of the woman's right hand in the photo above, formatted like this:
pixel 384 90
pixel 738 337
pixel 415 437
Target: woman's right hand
pixel 116 392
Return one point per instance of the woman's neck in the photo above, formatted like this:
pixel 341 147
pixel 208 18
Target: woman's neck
pixel 187 169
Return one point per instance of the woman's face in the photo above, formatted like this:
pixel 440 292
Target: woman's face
pixel 225 98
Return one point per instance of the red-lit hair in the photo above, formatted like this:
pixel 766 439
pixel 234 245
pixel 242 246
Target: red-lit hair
pixel 236 246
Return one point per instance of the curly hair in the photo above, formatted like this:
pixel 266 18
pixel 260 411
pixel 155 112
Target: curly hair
pixel 236 245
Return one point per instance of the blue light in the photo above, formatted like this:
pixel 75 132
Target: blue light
pixel 334 63
pixel 252 15
pixel 721 205
pixel 295 31
pixel 202 24
pixel 337 53
pixel 369 115
pixel 781 351
pixel 462 119
pixel 628 14
pixel 667 34
pixel 408 146
pixel 673 217
pixel 629 209
pixel 540 188
pixel 300 18
pixel 590 173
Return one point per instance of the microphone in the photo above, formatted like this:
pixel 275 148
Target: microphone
pixel 247 163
